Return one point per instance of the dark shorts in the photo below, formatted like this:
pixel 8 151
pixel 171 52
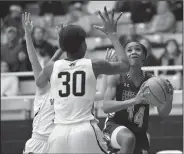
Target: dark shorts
pixel 142 143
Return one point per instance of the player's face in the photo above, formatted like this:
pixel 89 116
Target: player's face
pixel 134 53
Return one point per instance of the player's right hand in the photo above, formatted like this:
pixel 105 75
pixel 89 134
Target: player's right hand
pixel 109 23
pixel 27 22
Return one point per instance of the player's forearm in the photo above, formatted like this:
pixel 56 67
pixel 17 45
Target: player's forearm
pixel 119 50
pixel 32 55
pixel 100 94
pixel 42 79
pixel 57 55
pixel 165 109
pixel 110 106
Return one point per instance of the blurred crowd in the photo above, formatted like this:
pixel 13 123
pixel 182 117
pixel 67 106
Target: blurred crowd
pixel 158 16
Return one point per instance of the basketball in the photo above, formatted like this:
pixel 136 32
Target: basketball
pixel 160 91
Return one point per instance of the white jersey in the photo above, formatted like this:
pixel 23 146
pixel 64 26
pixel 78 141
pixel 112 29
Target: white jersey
pixel 73 87
pixel 43 121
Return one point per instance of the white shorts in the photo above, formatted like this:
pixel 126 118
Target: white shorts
pixel 36 144
pixel 84 137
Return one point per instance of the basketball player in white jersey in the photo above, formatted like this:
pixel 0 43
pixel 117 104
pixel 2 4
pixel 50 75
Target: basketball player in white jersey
pixel 73 86
pixel 43 105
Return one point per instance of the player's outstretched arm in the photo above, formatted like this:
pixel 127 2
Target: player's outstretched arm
pixel 59 52
pixel 100 93
pixel 110 56
pixel 110 105
pixel 45 75
pixel 110 28
pixel 28 27
pixel 108 68
pixel 57 55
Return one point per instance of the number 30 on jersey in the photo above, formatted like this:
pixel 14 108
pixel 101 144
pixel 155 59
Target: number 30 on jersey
pixel 78 86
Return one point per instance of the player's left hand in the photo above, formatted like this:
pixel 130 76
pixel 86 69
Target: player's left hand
pixel 109 23
pixel 59 29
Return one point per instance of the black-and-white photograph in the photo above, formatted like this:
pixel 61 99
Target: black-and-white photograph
pixel 92 77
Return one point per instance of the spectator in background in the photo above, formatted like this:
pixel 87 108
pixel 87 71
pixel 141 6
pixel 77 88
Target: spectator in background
pixel 9 84
pixel 177 9
pixel 164 20
pixel 76 10
pixel 12 52
pixel 14 19
pixel 151 60
pixel 123 6
pixel 94 6
pixel 141 11
pixel 172 55
pixel 44 49
pixel 3 35
pixel 53 7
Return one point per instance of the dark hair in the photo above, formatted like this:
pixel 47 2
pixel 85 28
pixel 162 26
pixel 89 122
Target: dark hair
pixel 142 46
pixel 176 44
pixel 71 38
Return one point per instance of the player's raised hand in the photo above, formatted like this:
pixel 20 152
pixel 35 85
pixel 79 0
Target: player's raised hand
pixel 27 22
pixel 59 29
pixel 109 23
pixel 110 55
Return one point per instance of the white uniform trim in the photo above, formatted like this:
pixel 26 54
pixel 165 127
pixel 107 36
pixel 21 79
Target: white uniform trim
pixel 114 142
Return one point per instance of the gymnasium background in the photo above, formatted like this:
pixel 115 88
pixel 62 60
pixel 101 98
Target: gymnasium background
pixel 158 25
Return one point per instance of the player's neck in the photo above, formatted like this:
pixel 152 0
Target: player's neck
pixel 135 72
pixel 73 57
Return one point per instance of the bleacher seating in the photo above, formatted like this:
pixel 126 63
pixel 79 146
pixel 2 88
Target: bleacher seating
pixel 16 109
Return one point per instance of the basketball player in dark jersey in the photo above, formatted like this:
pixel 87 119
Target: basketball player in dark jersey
pixel 127 122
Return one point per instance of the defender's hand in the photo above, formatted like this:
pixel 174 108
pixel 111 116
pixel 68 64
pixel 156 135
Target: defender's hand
pixel 27 22
pixel 109 24
pixel 110 55
pixel 59 29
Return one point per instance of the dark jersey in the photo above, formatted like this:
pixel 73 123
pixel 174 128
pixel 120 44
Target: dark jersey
pixel 136 117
